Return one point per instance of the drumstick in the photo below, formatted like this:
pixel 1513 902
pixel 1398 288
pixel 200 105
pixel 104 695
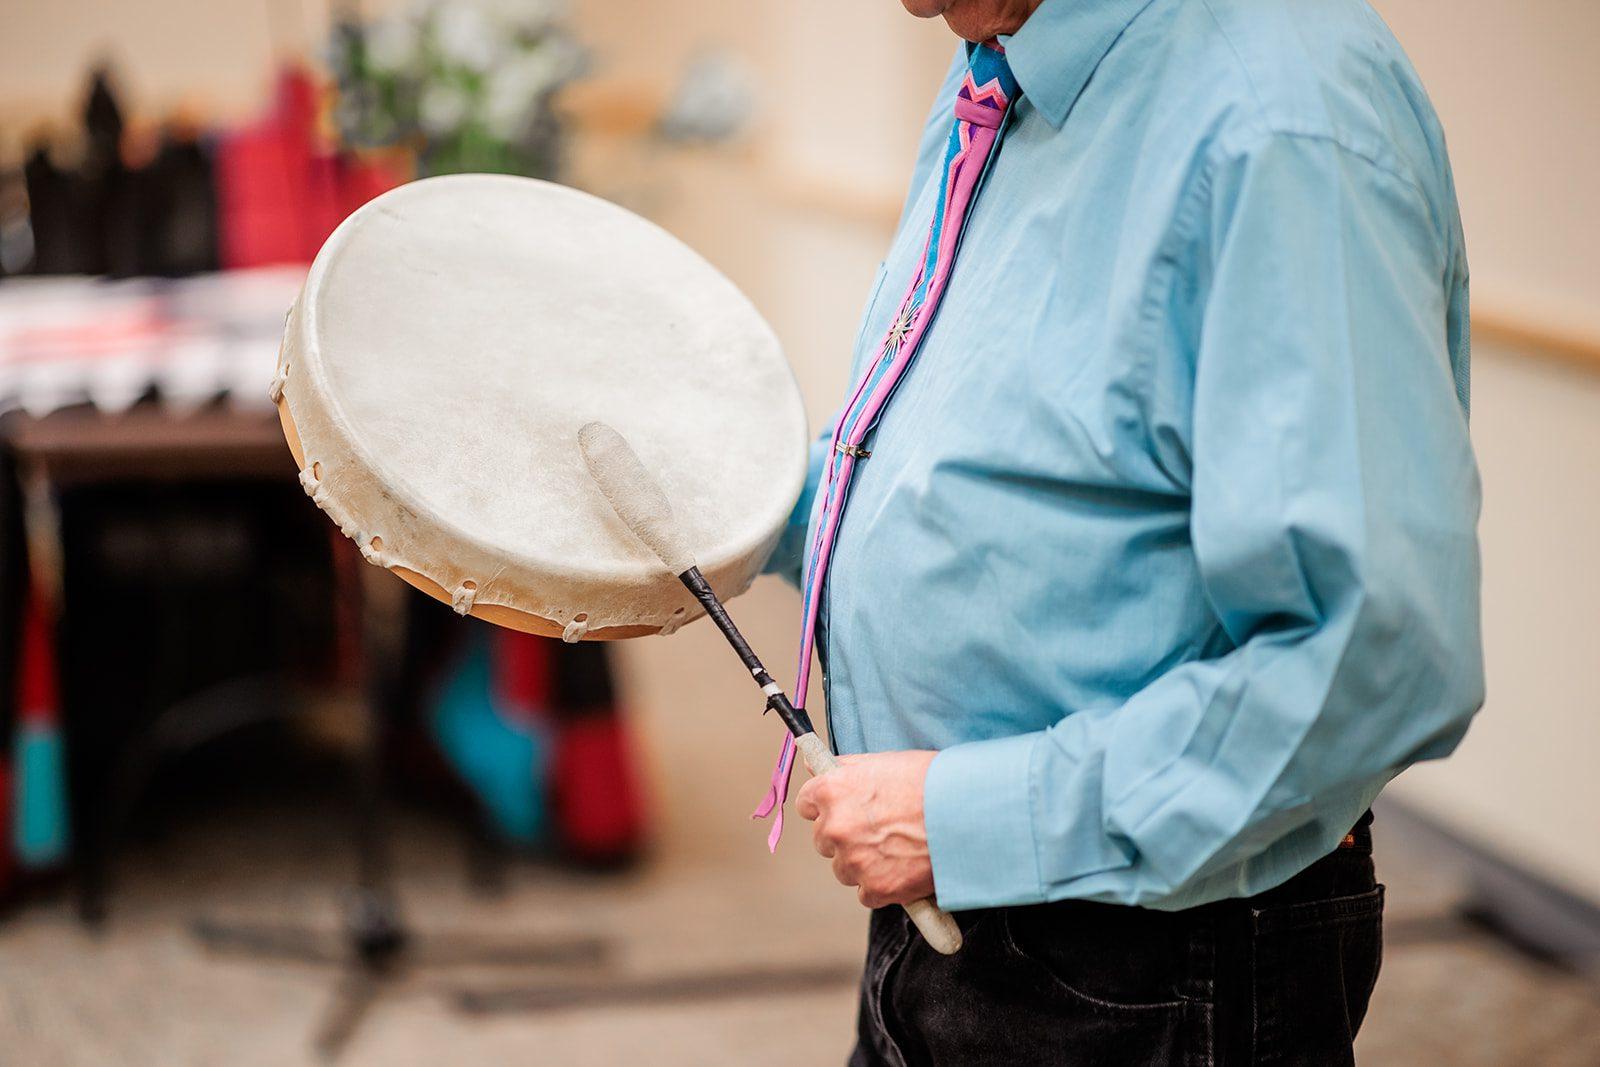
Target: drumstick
pixel 643 507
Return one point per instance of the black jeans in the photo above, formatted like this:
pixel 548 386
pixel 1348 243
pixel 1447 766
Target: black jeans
pixel 1279 978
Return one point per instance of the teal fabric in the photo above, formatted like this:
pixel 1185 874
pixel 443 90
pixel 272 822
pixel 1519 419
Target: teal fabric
pixel 1168 539
pixel 503 757
pixel 40 835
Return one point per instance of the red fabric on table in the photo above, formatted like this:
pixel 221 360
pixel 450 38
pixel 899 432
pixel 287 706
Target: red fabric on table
pixel 599 808
pixel 522 672
pixel 280 190
pixel 38 683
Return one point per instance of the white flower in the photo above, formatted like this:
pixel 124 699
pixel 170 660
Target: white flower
pixel 392 43
pixel 465 36
pixel 528 16
pixel 442 109
pixel 514 89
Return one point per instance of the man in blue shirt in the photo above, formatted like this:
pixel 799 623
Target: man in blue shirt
pixel 1161 561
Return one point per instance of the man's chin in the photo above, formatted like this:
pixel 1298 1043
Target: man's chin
pixel 968 33
pixel 968 28
pixel 963 22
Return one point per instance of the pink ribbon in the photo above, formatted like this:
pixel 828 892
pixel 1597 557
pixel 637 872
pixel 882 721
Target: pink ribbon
pixel 978 133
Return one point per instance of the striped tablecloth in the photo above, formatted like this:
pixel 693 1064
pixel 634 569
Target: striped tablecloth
pixel 66 341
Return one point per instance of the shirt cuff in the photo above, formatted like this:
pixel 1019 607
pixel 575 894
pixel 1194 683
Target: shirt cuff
pixel 978 812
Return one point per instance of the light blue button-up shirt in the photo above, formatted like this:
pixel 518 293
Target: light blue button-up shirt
pixel 1167 539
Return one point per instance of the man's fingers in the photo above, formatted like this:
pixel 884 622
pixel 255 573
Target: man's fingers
pixel 869 899
pixel 867 821
pixel 822 840
pixel 805 805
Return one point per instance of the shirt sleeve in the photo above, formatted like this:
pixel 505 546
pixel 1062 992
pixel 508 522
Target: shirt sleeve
pixel 791 548
pixel 1334 505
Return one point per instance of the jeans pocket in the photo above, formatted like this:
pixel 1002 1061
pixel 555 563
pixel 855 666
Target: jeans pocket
pixel 1314 966
pixel 1090 961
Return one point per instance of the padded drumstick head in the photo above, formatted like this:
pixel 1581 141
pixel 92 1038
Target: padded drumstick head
pixel 636 497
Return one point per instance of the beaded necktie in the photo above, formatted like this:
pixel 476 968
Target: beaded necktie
pixel 981 107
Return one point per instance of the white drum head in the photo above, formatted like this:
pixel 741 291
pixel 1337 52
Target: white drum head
pixel 452 337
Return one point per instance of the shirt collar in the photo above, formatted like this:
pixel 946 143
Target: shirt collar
pixel 1059 47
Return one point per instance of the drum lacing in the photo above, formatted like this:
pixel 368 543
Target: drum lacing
pixel 461 600
pixel 573 632
pixel 372 550
pixel 279 380
pixel 313 485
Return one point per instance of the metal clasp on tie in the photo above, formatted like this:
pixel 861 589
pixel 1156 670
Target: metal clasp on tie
pixel 853 450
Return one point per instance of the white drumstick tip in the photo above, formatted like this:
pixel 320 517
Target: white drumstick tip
pixel 635 496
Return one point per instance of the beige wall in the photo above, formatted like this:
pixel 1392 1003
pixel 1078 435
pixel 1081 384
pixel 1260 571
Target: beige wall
pixel 214 53
pixel 1525 779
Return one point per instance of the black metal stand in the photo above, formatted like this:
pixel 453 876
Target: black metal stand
pixel 376 951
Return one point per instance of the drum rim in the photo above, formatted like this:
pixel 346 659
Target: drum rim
pixel 302 327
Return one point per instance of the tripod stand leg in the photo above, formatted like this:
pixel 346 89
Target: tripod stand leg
pixel 352 999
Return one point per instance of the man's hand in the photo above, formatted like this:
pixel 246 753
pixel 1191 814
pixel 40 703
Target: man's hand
pixel 869 822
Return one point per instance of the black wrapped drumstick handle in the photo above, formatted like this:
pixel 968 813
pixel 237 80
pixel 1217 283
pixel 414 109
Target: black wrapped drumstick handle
pixel 796 719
